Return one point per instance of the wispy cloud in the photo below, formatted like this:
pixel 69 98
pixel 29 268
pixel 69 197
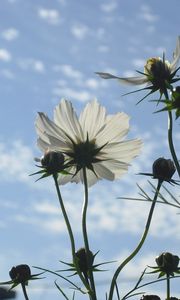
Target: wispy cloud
pixel 109 7
pixel 15 161
pixel 138 62
pixel 51 16
pixel 32 64
pixel 72 94
pixel 69 71
pixel 7 74
pixel 147 15
pixel 5 55
pixel 10 34
pixel 79 31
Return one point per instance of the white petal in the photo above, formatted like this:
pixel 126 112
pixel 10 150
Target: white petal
pixel 103 171
pixel 63 179
pixel 92 119
pixel 59 145
pixel 91 177
pixel 44 125
pixel 176 56
pixel 66 118
pixel 123 152
pixel 116 128
pixel 43 145
pixel 136 80
pixel 117 168
pixel 106 75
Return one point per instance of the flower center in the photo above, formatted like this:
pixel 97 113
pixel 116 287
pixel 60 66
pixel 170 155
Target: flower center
pixel 84 154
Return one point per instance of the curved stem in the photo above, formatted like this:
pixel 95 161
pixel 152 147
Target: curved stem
pixel 24 291
pixel 65 216
pixel 170 141
pixel 136 250
pixel 68 225
pixel 168 288
pixel 85 235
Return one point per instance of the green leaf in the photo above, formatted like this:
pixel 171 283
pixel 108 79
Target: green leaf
pixel 58 287
pixel 6 282
pixel 161 274
pixel 38 172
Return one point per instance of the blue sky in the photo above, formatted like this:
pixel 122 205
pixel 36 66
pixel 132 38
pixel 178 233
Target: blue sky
pixel 52 49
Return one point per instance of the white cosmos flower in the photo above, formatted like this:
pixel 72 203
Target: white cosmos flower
pixel 158 73
pixel 94 141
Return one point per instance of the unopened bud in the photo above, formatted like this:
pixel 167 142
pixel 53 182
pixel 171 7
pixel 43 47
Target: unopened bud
pixel 150 297
pixel 163 169
pixel 82 260
pixel 167 263
pixel 53 161
pixel 20 273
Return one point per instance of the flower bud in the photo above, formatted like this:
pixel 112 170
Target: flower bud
pixel 168 263
pixel 158 71
pixel 20 273
pixel 53 161
pixel 82 260
pixel 150 297
pixel 163 169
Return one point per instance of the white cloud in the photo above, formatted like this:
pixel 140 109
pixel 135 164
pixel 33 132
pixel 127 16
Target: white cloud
pixel 62 2
pixel 79 31
pixel 103 49
pixel 15 161
pixel 12 1
pixel 7 73
pixel 109 7
pixel 46 207
pixel 32 64
pixel 138 63
pixel 73 94
pixel 92 83
pixel 134 268
pixel 68 71
pixel 51 16
pixel 147 14
pixel 5 55
pixel 10 34
pixel 38 66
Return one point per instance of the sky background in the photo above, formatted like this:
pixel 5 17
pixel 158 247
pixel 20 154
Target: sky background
pixel 50 49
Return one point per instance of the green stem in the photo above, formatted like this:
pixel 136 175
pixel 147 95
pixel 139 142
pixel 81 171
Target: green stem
pixel 65 216
pixel 136 250
pixel 170 141
pixel 85 235
pixel 24 291
pixel 69 232
pixel 168 288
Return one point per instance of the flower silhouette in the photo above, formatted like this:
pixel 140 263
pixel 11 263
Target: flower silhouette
pixel 93 141
pixel 158 74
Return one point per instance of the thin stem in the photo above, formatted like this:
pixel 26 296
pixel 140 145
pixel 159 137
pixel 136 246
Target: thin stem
pixel 136 250
pixel 24 291
pixel 145 284
pixel 170 141
pixel 168 288
pixel 65 217
pixel 85 235
pixel 68 225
